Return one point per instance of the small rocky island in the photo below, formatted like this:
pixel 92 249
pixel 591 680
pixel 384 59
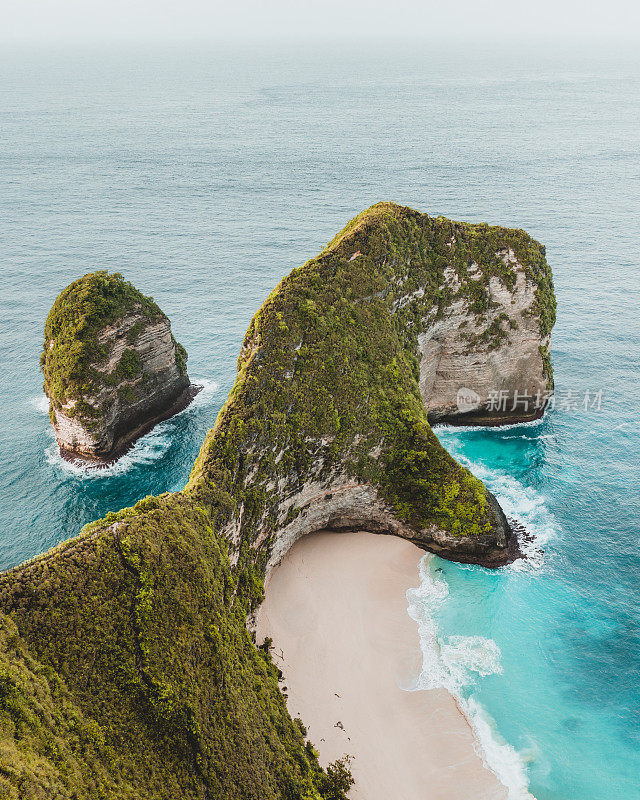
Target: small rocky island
pixel 112 368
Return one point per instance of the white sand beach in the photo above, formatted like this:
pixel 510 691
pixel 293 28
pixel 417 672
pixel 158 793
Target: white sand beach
pixel 336 611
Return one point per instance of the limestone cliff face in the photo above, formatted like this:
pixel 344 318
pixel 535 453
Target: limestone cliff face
pixel 339 504
pixel 112 367
pixel 490 368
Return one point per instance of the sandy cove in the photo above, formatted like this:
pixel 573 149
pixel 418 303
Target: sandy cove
pixel 336 609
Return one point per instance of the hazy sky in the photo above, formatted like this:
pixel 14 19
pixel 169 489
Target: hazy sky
pixel 491 20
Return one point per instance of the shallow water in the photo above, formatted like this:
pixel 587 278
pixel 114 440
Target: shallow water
pixel 205 176
pixel 563 689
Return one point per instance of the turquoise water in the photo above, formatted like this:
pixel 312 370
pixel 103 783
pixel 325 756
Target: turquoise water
pixel 205 176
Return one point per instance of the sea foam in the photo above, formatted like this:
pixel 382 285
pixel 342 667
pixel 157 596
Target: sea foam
pixel 523 504
pixel 146 450
pixel 205 395
pixel 40 403
pixel 454 663
pixel 534 423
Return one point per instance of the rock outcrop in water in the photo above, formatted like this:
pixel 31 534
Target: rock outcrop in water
pixel 112 367
pixel 126 668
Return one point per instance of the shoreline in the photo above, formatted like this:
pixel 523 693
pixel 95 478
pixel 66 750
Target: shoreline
pixel 336 611
pixel 478 419
pixel 182 402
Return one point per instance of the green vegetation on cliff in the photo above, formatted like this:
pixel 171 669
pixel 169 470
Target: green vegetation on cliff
pixel 72 347
pixel 126 668
pixel 141 680
pixel 328 371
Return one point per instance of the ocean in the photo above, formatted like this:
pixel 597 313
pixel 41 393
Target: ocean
pixel 205 174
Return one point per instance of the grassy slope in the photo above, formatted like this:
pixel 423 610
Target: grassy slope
pixel 126 669
pixel 142 652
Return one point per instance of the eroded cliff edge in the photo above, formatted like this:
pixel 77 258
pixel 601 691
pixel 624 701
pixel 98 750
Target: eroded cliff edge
pixel 112 368
pixel 327 424
pixel 128 670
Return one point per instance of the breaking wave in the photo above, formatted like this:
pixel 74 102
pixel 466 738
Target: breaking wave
pixel 522 504
pixel 534 423
pixel 146 450
pixel 454 663
pixel 40 403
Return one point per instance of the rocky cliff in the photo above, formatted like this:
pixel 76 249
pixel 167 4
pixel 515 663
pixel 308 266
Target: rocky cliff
pixel 484 360
pixel 111 365
pixel 327 424
pixel 126 667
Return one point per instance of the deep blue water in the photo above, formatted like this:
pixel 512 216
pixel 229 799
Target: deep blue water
pixel 206 175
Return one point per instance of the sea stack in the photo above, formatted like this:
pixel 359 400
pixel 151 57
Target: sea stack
pixel 112 368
